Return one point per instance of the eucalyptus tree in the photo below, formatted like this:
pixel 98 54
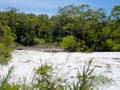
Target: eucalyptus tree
pixel 115 13
pixel 115 18
pixel 74 19
pixel 25 29
pixel 96 23
pixel 11 16
pixel 42 26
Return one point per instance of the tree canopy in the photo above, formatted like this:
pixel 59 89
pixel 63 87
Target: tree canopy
pixel 92 28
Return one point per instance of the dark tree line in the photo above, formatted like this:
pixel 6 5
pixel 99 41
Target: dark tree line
pixel 92 29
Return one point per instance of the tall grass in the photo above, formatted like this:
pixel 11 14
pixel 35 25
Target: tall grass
pixel 85 79
pixel 4 81
pixel 44 79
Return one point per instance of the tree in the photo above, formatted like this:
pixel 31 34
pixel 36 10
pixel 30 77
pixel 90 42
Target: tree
pixel 6 43
pixel 115 13
pixel 91 27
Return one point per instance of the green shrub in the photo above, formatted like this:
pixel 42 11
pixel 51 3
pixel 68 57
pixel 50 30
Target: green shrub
pixel 56 44
pixel 116 47
pixel 68 43
pixel 6 43
pixel 45 80
pixel 39 41
pixel 108 44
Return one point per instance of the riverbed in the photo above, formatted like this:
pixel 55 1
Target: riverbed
pixel 25 61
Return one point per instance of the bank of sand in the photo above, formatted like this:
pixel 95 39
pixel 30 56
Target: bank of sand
pixel 24 61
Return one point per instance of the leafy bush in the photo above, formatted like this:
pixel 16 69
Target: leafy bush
pixel 45 80
pixel 39 41
pixel 6 43
pixel 68 43
pixel 108 44
pixel 116 47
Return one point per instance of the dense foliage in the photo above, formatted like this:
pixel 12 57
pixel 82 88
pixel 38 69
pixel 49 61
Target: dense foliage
pixel 6 42
pixel 92 29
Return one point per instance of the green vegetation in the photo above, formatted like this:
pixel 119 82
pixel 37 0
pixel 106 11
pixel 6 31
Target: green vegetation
pixel 92 29
pixel 45 79
pixel 4 81
pixel 75 28
pixel 6 42
pixel 85 79
pixel 69 43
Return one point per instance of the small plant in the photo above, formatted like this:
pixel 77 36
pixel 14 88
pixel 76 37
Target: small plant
pixel 4 82
pixel 116 47
pixel 108 68
pixel 86 80
pixel 101 81
pixel 44 79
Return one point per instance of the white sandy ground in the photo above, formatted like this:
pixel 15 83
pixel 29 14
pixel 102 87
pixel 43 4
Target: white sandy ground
pixel 107 63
